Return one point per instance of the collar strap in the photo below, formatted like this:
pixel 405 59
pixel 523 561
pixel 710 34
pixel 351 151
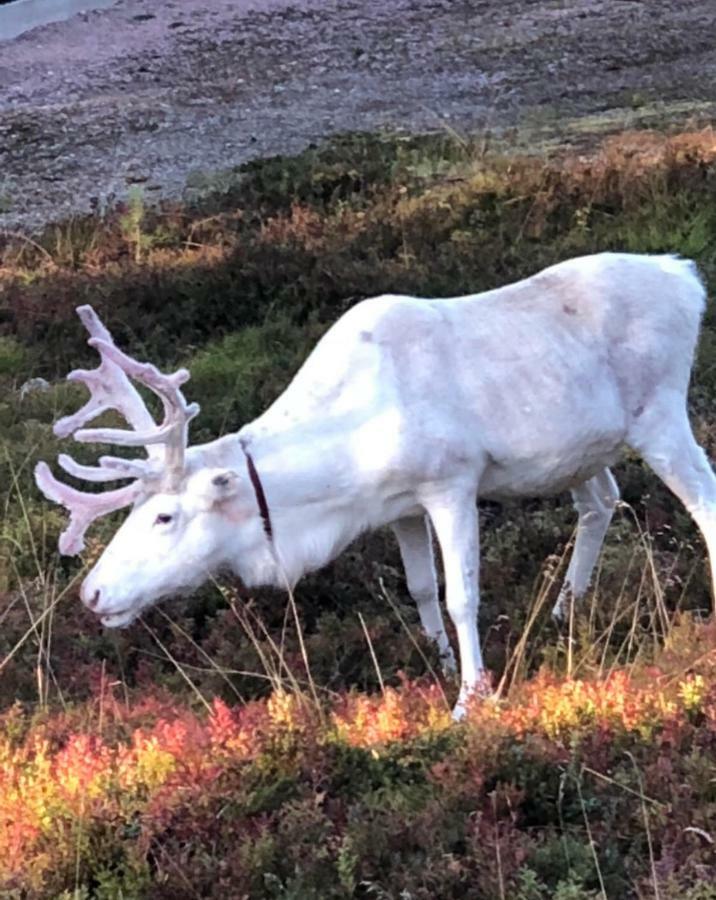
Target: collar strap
pixel 259 492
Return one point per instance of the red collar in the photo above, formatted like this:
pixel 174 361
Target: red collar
pixel 259 492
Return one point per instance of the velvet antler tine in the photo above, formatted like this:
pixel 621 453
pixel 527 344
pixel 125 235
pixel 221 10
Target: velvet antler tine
pixel 147 373
pixel 92 322
pixel 83 508
pixel 126 438
pixel 109 469
pixel 109 388
pixel 67 424
pixel 149 468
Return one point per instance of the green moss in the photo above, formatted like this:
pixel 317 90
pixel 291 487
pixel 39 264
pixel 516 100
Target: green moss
pixel 13 357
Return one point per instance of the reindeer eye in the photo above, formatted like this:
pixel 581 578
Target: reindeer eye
pixel 163 519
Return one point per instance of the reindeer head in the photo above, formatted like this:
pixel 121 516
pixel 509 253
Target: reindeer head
pixel 174 534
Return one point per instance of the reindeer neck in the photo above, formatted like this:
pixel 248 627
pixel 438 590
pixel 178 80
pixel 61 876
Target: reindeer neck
pixel 302 477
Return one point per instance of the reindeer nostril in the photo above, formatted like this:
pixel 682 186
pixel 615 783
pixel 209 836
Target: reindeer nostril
pixel 93 601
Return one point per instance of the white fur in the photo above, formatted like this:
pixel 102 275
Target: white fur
pixel 408 409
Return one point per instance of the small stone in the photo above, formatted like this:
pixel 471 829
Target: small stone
pixel 34 386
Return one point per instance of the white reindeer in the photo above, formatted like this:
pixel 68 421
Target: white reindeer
pixel 406 411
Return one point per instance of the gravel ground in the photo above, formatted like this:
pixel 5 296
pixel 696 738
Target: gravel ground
pixel 149 93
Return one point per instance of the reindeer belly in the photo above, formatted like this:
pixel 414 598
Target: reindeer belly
pixel 548 474
pixel 543 451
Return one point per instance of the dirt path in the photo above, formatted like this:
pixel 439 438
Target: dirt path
pixel 149 92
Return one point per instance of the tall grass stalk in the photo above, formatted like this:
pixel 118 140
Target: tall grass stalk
pixel 177 665
pixel 378 673
pixel 647 826
pixel 590 838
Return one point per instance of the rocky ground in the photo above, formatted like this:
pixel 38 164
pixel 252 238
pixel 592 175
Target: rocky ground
pixel 152 94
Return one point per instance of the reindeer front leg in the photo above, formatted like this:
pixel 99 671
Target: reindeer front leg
pixel 454 516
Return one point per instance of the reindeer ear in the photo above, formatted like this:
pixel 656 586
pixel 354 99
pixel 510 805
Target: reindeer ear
pixel 223 485
pixel 213 489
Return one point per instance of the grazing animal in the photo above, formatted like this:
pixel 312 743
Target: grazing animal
pixel 406 411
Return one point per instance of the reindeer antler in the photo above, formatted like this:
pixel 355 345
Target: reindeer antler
pixel 110 388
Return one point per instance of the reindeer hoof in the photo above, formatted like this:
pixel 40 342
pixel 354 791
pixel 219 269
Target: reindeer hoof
pixel 559 612
pixel 482 689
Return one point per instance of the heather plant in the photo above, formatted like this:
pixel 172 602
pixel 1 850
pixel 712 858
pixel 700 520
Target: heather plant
pixel 550 794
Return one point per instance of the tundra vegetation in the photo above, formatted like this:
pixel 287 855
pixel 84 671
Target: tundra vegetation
pixel 233 744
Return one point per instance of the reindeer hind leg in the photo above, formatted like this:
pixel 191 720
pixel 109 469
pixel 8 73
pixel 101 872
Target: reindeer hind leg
pixel 416 551
pixel 594 501
pixel 668 445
